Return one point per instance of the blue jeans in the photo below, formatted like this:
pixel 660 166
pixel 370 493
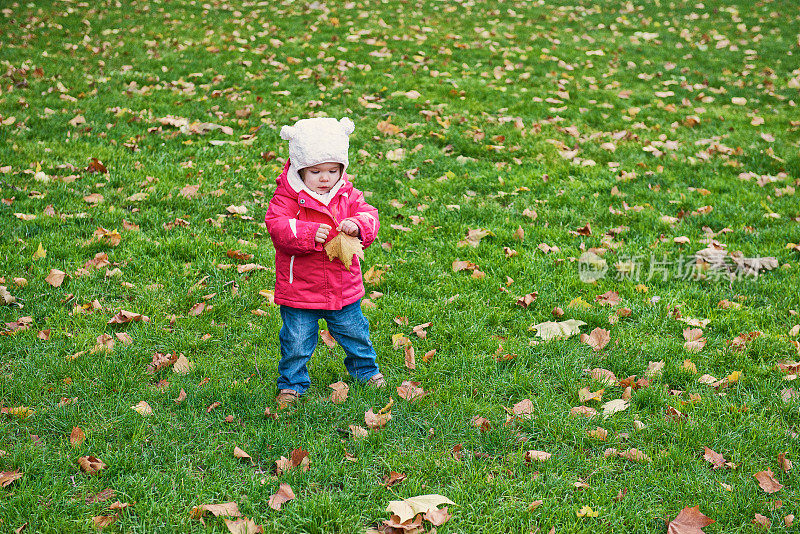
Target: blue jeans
pixel 299 334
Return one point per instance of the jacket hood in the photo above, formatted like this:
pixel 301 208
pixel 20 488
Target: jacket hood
pixel 290 184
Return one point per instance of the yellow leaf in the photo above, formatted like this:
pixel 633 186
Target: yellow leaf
pixel 40 253
pixel 344 247
pixel 734 376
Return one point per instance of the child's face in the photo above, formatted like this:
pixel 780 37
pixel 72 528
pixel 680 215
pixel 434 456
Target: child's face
pixel 321 178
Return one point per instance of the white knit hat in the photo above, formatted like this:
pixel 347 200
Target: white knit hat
pixel 318 140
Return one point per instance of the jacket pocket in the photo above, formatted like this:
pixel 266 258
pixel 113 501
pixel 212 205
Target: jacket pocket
pixel 291 270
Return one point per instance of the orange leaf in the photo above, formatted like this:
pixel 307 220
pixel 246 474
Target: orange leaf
pixel 689 521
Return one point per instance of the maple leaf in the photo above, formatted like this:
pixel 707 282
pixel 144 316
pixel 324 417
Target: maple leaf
pixel 689 521
pixel 716 459
pixel 344 247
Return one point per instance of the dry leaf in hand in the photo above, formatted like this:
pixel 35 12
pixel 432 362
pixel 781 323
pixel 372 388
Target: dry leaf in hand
pixel 689 521
pixel 344 247
pixel 284 494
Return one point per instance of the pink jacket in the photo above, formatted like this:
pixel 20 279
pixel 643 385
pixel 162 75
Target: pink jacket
pixel 304 276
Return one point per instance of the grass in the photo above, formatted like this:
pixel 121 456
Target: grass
pixel 480 68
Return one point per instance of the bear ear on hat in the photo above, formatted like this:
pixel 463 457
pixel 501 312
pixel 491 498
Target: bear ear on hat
pixel 347 125
pixel 287 132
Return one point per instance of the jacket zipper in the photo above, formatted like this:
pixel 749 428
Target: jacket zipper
pixel 291 270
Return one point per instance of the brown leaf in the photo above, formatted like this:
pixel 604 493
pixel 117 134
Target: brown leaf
pixel 474 237
pixel 55 278
pixel 125 316
pixel 213 406
pixel 375 421
pixel 243 526
pixel 784 462
pixel 410 361
pixel 603 376
pixel 598 433
pixel 762 520
pixel 7 477
pixel 327 338
pixel 142 408
pixel 340 391
pixel 239 255
pixel 716 459
pixel 689 521
pixel 527 300
pixel 585 411
pixel 610 298
pixel 344 247
pixel 190 191
pixel 410 391
pixel 239 453
pixel 91 465
pixel 481 423
pixel 586 395
pixel 437 516
pixel 767 481
pixel 160 361
pixel 538 456
pixel 102 521
pixel 197 309
pixel 358 431
pixel 283 495
pixel 393 478
pixel 229 509
pixel 421 330
pixel 96 166
pixel 77 437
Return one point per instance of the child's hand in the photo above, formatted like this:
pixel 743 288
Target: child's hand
pixel 322 233
pixel 349 227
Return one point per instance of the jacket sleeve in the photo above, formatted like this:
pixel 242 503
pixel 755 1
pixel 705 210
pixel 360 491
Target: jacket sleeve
pixel 288 233
pixel 366 217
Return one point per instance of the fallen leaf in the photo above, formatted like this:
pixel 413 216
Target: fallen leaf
pixel 91 465
pixel 598 433
pixel 327 338
pixel 182 365
pixel 480 422
pixel 393 478
pixel 603 376
pixel 77 437
pixel 408 508
pixel 410 391
pixel 55 278
pixel 344 247
pixel 239 453
pixel 614 406
pixel 689 521
pixel 283 495
pixel 7 477
pixel 142 408
pixel 767 481
pixel 538 456
pixel 375 421
pixel 243 526
pixel 229 509
pixel 410 361
pixel 784 462
pixel 102 521
pixel 762 520
pixel 358 431
pixel 557 330
pixel 181 397
pixel 340 391
pixel 437 517
pixel 716 459
pixel 598 338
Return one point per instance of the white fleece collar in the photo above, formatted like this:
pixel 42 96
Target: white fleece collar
pixel 296 183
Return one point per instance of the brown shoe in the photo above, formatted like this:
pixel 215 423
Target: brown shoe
pixel 376 382
pixel 286 397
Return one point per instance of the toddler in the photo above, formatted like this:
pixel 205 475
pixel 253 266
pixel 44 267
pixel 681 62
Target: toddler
pixel 313 202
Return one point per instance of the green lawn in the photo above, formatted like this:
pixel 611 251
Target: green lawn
pixel 646 122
